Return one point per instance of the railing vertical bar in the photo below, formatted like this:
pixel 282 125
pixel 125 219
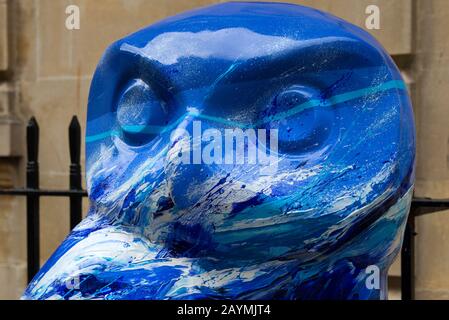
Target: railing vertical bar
pixel 408 259
pixel 75 171
pixel 32 182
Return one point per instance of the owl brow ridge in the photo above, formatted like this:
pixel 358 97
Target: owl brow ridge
pixel 331 101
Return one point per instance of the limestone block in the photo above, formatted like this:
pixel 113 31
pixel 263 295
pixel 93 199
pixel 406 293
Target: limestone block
pixel 6 98
pixel 396 17
pixel 26 36
pixel 73 53
pixel 432 114
pixel 55 223
pixel 12 280
pixel 3 35
pixel 53 102
pixel 432 256
pixel 12 235
pixel 11 135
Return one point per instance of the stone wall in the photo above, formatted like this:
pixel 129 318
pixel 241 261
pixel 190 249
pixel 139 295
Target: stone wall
pixel 45 71
pixel 431 100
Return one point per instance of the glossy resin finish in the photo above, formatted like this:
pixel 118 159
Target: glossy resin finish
pixel 176 212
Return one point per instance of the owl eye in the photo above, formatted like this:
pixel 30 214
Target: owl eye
pixel 301 127
pixel 140 113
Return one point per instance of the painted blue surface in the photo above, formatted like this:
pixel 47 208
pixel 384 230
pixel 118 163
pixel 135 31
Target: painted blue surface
pixel 334 207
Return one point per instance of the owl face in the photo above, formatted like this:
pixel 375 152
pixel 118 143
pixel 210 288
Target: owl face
pixel 250 131
pixel 238 144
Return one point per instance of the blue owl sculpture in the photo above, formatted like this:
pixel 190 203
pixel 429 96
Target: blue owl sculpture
pixel 241 151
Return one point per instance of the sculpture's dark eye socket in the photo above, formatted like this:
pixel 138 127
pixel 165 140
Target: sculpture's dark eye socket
pixel 140 113
pixel 303 126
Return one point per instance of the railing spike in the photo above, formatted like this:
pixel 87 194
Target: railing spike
pixel 75 171
pixel 75 140
pixel 32 183
pixel 32 135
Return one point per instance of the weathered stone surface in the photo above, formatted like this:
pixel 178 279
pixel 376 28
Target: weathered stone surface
pixel 432 114
pixel 102 22
pixel 12 235
pixel 395 32
pixel 3 35
pixel 12 278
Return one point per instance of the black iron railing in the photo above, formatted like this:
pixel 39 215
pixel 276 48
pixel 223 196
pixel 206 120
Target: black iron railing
pixel 420 206
pixel 32 192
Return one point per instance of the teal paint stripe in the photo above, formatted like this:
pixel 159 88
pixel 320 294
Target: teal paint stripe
pixel 135 129
pixel 143 129
pixel 101 136
pixel 337 99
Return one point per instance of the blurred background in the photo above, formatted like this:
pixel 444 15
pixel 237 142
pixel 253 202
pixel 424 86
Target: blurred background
pixel 46 70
